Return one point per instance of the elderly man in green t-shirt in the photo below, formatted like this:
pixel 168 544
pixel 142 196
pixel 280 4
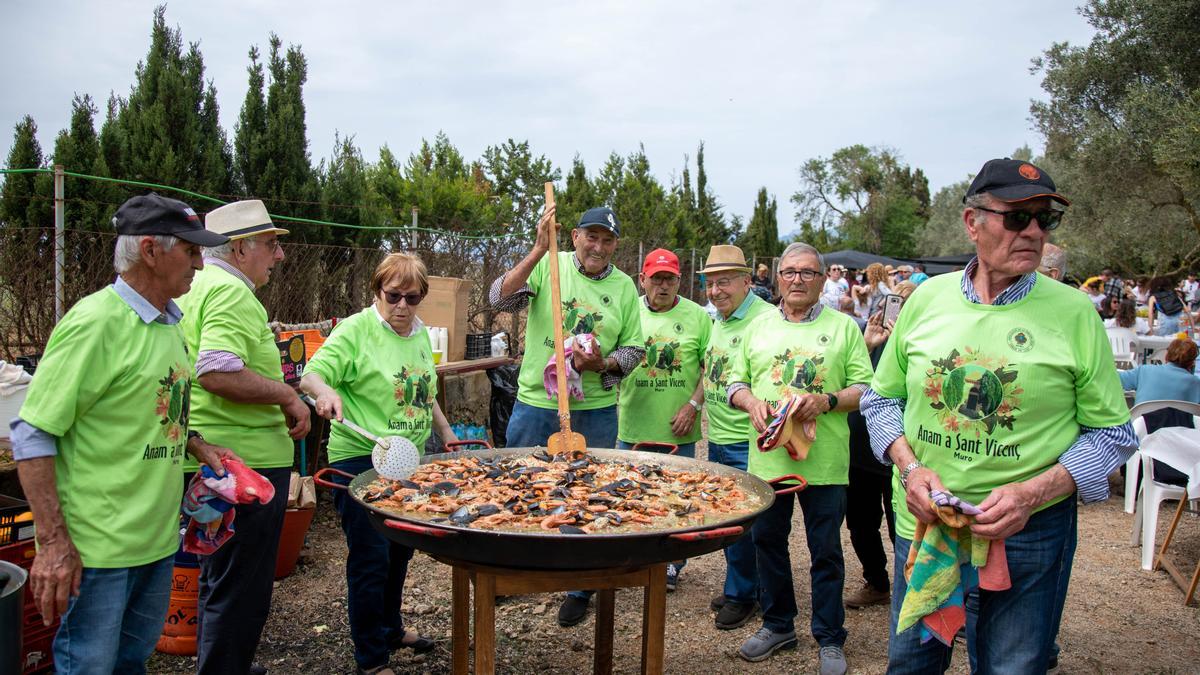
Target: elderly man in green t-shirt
pixel 817 355
pixel 241 402
pixel 100 441
pixel 997 385
pixel 597 299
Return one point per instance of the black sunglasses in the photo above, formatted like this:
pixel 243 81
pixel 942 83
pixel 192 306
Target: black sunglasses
pixel 413 299
pixel 1015 221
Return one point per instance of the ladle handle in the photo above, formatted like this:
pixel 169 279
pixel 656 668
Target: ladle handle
pixel 347 423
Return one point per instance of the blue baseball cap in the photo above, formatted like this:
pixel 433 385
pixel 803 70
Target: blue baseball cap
pixel 601 216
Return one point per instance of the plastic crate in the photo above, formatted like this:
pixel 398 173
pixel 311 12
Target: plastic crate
pixel 15 522
pixel 479 346
pixel 39 649
pixel 29 363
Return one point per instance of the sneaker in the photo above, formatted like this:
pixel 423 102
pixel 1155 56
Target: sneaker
pixel 764 643
pixel 833 660
pixel 717 602
pixel 419 644
pixel 734 614
pixel 572 611
pixel 672 577
pixel 868 596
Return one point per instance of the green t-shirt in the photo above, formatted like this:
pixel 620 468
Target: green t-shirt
pixel 726 424
pixel 221 313
pixel 387 382
pixel 667 375
pixel 114 390
pixel 822 356
pixel 995 394
pixel 607 309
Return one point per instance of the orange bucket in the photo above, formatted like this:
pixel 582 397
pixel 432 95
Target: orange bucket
pixel 291 540
pixel 179 630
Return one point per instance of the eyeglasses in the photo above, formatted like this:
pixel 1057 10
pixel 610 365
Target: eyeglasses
pixel 1016 221
pixel 663 281
pixel 413 299
pixel 724 282
pixel 805 275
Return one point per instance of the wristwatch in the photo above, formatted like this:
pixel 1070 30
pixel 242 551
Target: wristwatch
pixel 833 401
pixel 693 403
pixel 912 466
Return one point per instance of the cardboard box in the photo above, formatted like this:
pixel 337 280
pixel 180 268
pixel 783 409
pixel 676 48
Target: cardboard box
pixel 446 306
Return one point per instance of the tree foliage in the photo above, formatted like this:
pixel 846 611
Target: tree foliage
pixel 1122 128
pixel 761 238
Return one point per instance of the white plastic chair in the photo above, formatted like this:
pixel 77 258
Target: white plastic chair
pixel 1124 344
pixel 1151 494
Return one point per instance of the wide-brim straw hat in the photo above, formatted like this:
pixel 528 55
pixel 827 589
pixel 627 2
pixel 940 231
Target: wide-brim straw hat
pixel 241 219
pixel 725 258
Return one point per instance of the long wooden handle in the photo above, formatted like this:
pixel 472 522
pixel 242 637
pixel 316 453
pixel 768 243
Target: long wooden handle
pixel 560 363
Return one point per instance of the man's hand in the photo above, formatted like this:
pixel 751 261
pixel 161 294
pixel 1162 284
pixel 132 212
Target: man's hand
pixel 1005 511
pixel 210 455
pixel 329 405
pixel 296 413
pixel 542 243
pixel 55 576
pixel 809 406
pixel 759 411
pixel 585 361
pixel 684 420
pixel 921 481
pixel 877 333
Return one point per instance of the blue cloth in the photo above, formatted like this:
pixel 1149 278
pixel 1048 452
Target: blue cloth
pixel 741 559
pixel 28 441
pixel 918 278
pixel 1165 382
pixel 1007 631
pixel 530 426
pixel 685 449
pixel 236 582
pixel 115 621
pixel 824 508
pixel 1089 460
pixel 375 572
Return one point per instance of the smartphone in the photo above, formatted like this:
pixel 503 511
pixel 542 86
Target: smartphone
pixel 891 308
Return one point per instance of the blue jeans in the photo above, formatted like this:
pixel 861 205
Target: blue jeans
pixel 741 561
pixel 685 449
pixel 824 508
pixel 1167 325
pixel 1012 631
pixel 115 621
pixel 375 571
pixel 530 426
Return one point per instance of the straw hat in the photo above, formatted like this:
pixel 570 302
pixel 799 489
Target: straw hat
pixel 241 219
pixel 725 258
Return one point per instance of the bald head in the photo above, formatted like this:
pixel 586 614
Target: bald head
pixel 1054 262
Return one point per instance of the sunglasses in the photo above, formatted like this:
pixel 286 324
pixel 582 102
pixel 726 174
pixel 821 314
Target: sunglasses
pixel 413 299
pixel 1016 221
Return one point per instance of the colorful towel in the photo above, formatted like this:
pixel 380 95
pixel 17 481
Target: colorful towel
pixel 949 563
pixel 588 345
pixel 209 501
pixel 783 430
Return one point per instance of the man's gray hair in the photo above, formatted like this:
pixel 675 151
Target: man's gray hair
pixel 225 251
pixel 798 247
pixel 978 201
pixel 127 252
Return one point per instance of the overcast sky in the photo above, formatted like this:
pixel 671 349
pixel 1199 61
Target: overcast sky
pixel 765 85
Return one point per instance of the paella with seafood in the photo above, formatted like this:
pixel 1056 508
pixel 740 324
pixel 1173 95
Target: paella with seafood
pixel 547 493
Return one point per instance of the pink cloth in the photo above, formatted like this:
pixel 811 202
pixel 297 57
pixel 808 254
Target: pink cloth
pixel 206 530
pixel 588 345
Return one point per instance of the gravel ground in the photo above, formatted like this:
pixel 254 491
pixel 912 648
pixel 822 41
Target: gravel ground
pixel 1118 618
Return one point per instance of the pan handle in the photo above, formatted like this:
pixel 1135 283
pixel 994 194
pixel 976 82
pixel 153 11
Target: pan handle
pixel 717 533
pixel 450 447
pixel 651 446
pixel 791 488
pixel 418 529
pixel 320 478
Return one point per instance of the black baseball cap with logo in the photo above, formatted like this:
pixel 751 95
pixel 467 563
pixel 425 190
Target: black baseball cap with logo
pixel 1013 180
pixel 600 217
pixel 156 214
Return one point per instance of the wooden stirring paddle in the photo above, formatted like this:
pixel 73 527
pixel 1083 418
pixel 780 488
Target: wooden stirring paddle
pixel 564 441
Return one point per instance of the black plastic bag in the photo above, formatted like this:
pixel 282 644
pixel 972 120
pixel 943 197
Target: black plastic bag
pixel 504 397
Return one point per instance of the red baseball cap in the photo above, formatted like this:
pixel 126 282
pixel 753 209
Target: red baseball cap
pixel 660 260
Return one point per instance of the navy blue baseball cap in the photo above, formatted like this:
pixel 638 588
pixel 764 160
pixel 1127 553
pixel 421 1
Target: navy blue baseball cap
pixel 156 214
pixel 1013 180
pixel 601 216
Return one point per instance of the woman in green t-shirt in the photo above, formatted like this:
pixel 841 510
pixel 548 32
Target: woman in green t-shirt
pixel 377 368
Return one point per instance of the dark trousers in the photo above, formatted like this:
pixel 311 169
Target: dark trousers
pixel 375 571
pixel 868 498
pixel 236 582
pixel 824 507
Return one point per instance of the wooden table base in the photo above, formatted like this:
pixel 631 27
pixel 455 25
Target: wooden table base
pixel 1167 563
pixel 493 581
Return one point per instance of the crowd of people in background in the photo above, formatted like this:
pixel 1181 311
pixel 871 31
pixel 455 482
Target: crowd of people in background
pixel 1159 305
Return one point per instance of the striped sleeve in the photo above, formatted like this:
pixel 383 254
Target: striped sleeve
pixel 512 303
pixel 885 422
pixel 1094 455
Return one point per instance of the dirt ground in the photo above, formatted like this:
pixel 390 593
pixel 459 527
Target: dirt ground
pixel 1118 619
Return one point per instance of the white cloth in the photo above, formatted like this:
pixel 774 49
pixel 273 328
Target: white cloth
pixel 12 378
pixel 1140 325
pixel 1178 447
pixel 832 292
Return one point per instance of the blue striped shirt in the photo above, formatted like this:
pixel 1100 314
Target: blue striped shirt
pixel 1094 455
